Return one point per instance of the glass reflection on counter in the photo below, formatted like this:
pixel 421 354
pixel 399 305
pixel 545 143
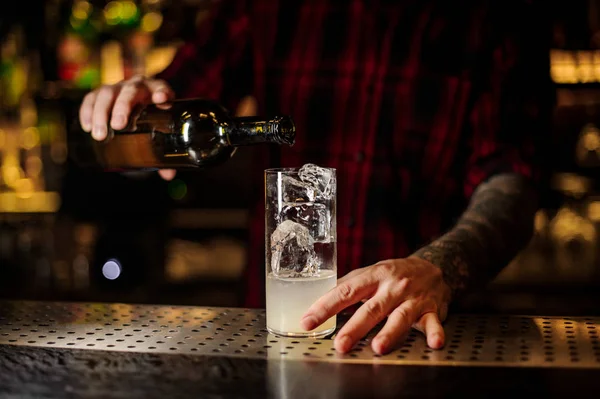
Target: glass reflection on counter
pixel 293 379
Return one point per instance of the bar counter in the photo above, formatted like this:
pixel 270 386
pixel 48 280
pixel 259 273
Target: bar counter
pixel 51 350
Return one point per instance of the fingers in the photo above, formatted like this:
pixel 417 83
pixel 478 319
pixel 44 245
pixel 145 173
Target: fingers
pixel 167 174
pixel 160 91
pixel 396 328
pixel 86 111
pixel 105 99
pixel 363 320
pixel 116 102
pixel 337 299
pixel 131 94
pixel 431 326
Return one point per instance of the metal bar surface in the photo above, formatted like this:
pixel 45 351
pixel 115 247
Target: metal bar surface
pixel 471 340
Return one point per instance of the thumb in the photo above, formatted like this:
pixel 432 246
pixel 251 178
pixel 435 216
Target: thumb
pixel 160 90
pixel 167 174
pixel 247 107
pixel 430 325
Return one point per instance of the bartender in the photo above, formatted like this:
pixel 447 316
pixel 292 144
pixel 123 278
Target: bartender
pixel 431 112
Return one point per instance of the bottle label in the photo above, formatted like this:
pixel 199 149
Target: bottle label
pixel 267 128
pixel 278 130
pixel 136 151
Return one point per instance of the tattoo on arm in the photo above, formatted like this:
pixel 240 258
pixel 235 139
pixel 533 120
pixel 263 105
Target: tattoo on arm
pixel 497 224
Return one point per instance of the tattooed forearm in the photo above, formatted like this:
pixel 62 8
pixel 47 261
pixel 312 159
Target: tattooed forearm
pixel 495 227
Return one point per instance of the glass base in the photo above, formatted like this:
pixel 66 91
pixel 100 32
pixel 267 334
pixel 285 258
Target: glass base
pixel 308 334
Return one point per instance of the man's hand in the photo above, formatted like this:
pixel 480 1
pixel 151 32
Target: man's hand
pixel 416 291
pixel 115 103
pixel 409 292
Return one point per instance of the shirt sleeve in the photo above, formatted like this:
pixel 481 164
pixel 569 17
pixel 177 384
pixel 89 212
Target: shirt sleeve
pixel 217 63
pixel 510 114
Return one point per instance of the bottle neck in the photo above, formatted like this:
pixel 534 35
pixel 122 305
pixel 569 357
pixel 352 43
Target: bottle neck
pixel 252 130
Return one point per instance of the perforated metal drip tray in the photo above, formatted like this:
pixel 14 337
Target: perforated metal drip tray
pixel 472 340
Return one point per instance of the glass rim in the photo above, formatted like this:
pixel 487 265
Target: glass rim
pixel 292 170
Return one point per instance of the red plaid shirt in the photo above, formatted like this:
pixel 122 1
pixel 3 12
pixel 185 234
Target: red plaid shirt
pixel 414 102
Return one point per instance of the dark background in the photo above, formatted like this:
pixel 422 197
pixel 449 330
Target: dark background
pixel 183 242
